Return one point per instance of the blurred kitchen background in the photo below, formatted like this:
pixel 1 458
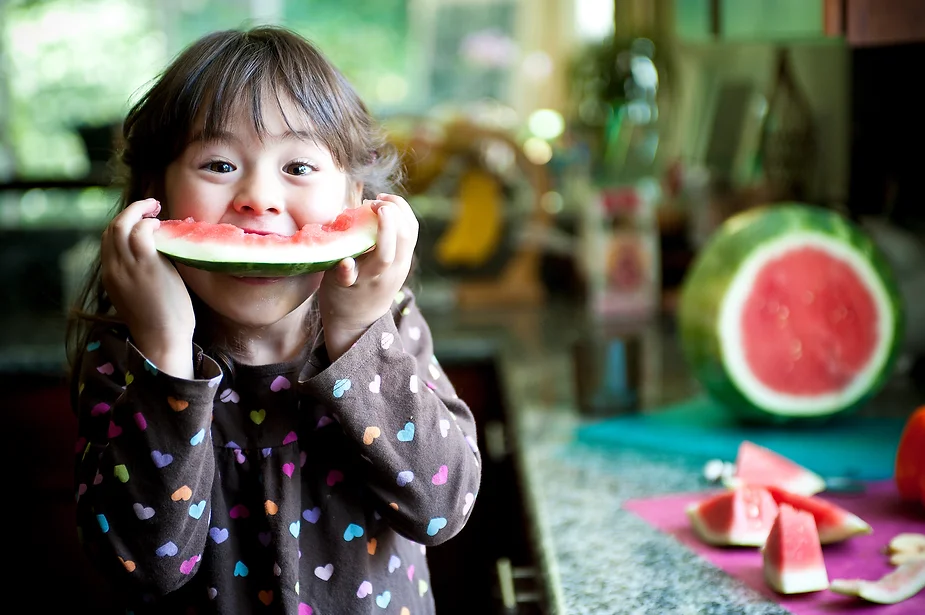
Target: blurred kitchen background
pixel 525 123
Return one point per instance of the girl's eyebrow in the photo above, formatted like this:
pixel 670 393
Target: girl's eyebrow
pixel 229 138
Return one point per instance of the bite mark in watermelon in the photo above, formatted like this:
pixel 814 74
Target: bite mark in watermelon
pixel 792 555
pixel 900 584
pixel 790 312
pixel 228 249
pixel 833 523
pixel 758 465
pixel 739 517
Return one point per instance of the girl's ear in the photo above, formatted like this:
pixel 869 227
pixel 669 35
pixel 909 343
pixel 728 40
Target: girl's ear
pixel 355 192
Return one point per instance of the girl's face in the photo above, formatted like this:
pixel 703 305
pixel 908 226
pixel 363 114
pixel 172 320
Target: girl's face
pixel 272 185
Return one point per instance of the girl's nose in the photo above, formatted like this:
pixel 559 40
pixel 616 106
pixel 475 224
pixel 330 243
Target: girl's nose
pixel 259 193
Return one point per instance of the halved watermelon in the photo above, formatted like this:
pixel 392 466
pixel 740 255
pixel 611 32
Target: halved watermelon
pixel 790 312
pixel 792 554
pixel 758 465
pixel 900 584
pixel 833 523
pixel 739 517
pixel 228 249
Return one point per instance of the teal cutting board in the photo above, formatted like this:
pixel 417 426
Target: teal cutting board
pixel 855 447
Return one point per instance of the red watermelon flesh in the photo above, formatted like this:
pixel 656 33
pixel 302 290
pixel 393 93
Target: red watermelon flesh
pixel 808 307
pixel 905 581
pixel 739 517
pixel 833 522
pixel 792 555
pixel 757 465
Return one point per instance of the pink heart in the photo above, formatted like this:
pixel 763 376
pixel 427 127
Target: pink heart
pixel 114 430
pixel 303 457
pixel 411 572
pixel 81 488
pixel 239 511
pixel 288 469
pixel 187 566
pixel 366 588
pixel 98 409
pixel 279 383
pixel 105 368
pixel 324 420
pixel 334 477
pixel 140 421
pixel 304 609
pixel 80 444
pixel 440 477
pixel 97 479
pixel 290 438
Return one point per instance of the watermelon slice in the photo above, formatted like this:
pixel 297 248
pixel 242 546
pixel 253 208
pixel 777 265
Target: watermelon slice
pixel 226 248
pixel 739 517
pixel 833 523
pixel 900 584
pixel 790 312
pixel 757 465
pixel 792 555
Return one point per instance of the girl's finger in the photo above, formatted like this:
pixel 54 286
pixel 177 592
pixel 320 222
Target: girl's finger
pixel 346 272
pixel 141 237
pixel 121 227
pixel 384 254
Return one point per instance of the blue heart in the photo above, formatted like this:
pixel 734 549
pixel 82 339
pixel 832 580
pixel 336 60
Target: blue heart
pixel 167 549
pixel 436 524
pixel 342 386
pixel 104 524
pixel 150 367
pixel 197 439
pixel 219 535
pixel 161 460
pixel 353 531
pixel 294 528
pixel 93 346
pixel 240 570
pixel 312 515
pixel 195 510
pixel 407 434
pixel 383 599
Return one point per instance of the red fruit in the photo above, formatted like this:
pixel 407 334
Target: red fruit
pixel 739 517
pixel 910 458
pixel 833 522
pixel 759 466
pixel 792 555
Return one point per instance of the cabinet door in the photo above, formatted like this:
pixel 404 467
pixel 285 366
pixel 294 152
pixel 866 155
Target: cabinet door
pixel 754 20
pixel 884 22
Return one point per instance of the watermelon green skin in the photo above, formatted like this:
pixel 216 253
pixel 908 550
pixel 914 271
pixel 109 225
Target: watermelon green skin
pixel 260 270
pixel 712 272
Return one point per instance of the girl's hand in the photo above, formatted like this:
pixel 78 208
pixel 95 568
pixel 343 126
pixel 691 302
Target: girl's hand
pixel 146 290
pixel 356 293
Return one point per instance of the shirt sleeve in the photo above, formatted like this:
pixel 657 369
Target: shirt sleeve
pixel 144 467
pixel 392 398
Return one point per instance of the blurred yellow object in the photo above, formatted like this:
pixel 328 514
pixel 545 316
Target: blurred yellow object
pixel 476 230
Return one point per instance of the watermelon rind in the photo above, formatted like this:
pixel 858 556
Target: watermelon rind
pixel 902 583
pixel 717 285
pixel 270 256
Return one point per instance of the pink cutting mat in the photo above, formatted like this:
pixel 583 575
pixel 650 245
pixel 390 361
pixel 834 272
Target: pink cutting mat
pixel 858 557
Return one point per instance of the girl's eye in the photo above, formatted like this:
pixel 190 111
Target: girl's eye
pixel 299 168
pixel 219 166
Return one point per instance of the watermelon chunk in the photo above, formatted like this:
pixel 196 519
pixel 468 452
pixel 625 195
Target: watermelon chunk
pixel 790 313
pixel 226 248
pixel 792 555
pixel 833 523
pixel 738 517
pixel 757 465
pixel 900 584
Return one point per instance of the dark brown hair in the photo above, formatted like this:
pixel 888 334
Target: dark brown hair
pixel 201 89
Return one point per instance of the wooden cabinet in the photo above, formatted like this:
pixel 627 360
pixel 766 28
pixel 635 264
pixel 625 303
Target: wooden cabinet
pixel 756 20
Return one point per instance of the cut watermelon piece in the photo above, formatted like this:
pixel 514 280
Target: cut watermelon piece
pixel 790 312
pixel 226 248
pixel 739 517
pixel 833 523
pixel 757 465
pixel 792 555
pixel 905 581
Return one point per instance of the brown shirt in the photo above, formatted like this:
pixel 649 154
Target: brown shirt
pixel 300 488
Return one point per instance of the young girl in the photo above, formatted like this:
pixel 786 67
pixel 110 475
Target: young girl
pixel 262 445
